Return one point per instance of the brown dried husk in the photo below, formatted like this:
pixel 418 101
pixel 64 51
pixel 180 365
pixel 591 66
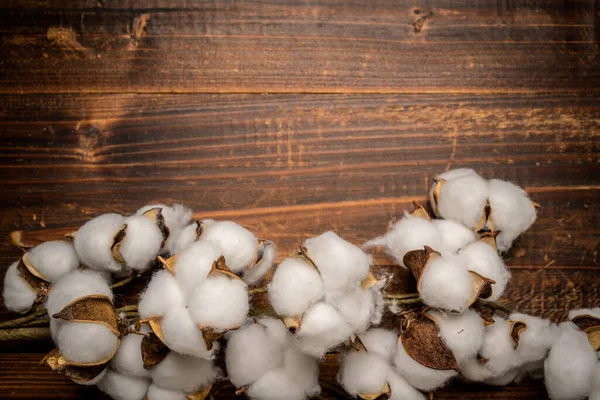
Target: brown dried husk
pixel 155 215
pixel 77 371
pixel 417 260
pixel 516 329
pixel 200 395
pixel 115 248
pixel 437 192
pixel 482 287
pixel 169 263
pixel 31 268
pixel 37 284
pixel 591 326
pixel 384 394
pixel 486 223
pixel 423 343
pixel 260 253
pixel 419 211
pixel 292 323
pixel 153 350
pixel 593 333
pixel 220 267
pixel 154 323
pixel 94 308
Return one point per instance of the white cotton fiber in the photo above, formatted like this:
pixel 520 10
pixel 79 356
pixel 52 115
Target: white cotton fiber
pixel 219 302
pixel 462 334
pixel 86 342
pixel 122 387
pixel 341 264
pixel 156 392
pixel 456 173
pixel 503 380
pixel 536 340
pixel 275 385
pixel 74 285
pixel 380 341
pixel 302 370
pixel 275 330
pixel 187 236
pixel 141 244
pixel 592 312
pixel 296 285
pixel 454 235
pixel 595 392
pixel 238 243
pixel 401 389
pixel 18 295
pixel 194 263
pixel 357 307
pixel 512 210
pixel 128 359
pixel 446 284
pixel 176 218
pixel 463 199
pixel 53 259
pixel 93 242
pixel 251 354
pixel 322 328
pixel 181 372
pixel 161 295
pixel 569 365
pixel 410 233
pixel 256 272
pixel 482 258
pixel 363 373
pixel 182 335
pixel 418 375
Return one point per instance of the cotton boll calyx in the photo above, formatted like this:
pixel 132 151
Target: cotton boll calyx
pixel 51 260
pixel 512 211
pixel 94 240
pixel 128 359
pixel 322 328
pixel 569 366
pixel 174 218
pixel 296 285
pixel 363 373
pixel 533 336
pixel 460 197
pixel 18 295
pixel 161 295
pixel 341 264
pixel 482 257
pixel 186 373
pixel 123 387
pixel 141 244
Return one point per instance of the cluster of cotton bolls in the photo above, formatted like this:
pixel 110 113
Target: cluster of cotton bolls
pixel 326 294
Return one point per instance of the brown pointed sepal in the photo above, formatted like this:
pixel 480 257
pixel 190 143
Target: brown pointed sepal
pixel 486 223
pixel 385 394
pixel 94 308
pixel 303 253
pixel 369 281
pixel 169 263
pixel 201 395
pixel 292 323
pixel 417 260
pixel 516 329
pixel 78 372
pixel 423 343
pixel 437 193
pixel 220 267
pixel 154 324
pixel 489 238
pixel 355 344
pixel 37 284
pixel 115 248
pixel 211 335
pixel 482 287
pixel 153 350
pixel 419 211
pixel 591 326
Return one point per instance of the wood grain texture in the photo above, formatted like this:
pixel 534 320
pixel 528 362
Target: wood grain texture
pixel 296 117
pixel 323 46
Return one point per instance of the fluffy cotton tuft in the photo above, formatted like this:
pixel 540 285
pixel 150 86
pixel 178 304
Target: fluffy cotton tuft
pixel 482 258
pixel 76 284
pixel 181 372
pixel 123 387
pixel 238 244
pixel 462 198
pixel 593 312
pixel 86 342
pixel 296 285
pixel 18 295
pixel 182 335
pixel 194 263
pixel 360 309
pixel 569 366
pixel 418 375
pixel 341 264
pixel 595 392
pixel 322 328
pixel 512 210
pixel 446 284
pixel 454 235
pixel 94 239
pixel 176 217
pixel 462 334
pixel 156 392
pixel 401 389
pixel 380 341
pixel 161 295
pixel 128 359
pixel 258 271
pixel 141 244
pixel 536 340
pixel 53 259
pixel 363 373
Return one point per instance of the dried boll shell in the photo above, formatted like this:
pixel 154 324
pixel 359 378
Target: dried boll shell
pixel 153 350
pixel 96 240
pixel 385 394
pixel 485 225
pixel 265 257
pixel 202 394
pixel 589 322
pixel 77 372
pixel 516 328
pixel 97 309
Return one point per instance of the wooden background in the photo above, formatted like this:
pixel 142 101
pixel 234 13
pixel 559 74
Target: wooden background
pixel 295 117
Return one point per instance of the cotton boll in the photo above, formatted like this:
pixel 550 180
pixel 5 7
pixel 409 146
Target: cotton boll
pixel 53 259
pixel 536 340
pixel 418 375
pixel 408 234
pixel 593 312
pixel 181 372
pixel 194 263
pixel 123 387
pixel 18 295
pixel 161 295
pixel 341 264
pixel 275 385
pixel 141 244
pixel 380 341
pixel 569 365
pixel 357 307
pixel 295 286
pixel 462 334
pixel 463 199
pixel 182 335
pixel 187 236
pixel 322 328
pixel 74 285
pixel 303 370
pixel 176 218
pixel 512 211
pixel 595 392
pixel 276 331
pixel 86 342
pixel 156 392
pixel 128 359
pixel 93 242
pixel 220 302
pixel 503 380
pixel 482 258
pixel 363 373
pixel 454 235
pixel 256 272
pixel 250 354
pixel 446 284
pixel 401 389
pixel 238 243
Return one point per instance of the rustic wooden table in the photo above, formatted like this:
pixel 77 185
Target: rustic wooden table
pixel 297 117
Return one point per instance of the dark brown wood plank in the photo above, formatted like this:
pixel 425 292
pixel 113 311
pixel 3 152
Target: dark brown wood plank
pixel 322 46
